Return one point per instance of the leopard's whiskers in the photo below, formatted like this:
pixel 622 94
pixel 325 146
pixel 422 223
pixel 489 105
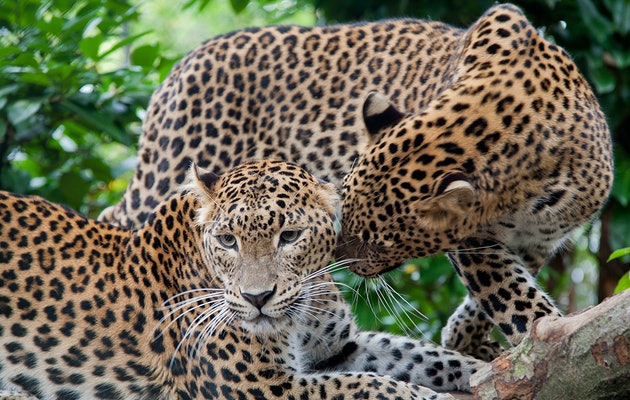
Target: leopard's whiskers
pixel 197 301
pixel 402 299
pixel 405 318
pixel 477 250
pixel 329 269
pixel 209 329
pixel 211 311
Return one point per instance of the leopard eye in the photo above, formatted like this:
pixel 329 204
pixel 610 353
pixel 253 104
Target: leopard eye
pixel 288 237
pixel 226 240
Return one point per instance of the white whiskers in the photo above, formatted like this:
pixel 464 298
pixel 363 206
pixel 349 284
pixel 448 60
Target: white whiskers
pixel 480 250
pixel 379 295
pixel 212 313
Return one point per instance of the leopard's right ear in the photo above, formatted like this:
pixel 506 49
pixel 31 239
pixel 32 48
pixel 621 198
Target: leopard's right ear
pixel 379 113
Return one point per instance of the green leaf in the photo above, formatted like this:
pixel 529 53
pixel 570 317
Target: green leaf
pixel 618 253
pixel 3 129
pixel 123 43
pixel 26 60
pixel 74 188
pixel 145 55
pixel 621 183
pixel 434 270
pixel 98 167
pixel 9 89
pixel 624 283
pixel 92 25
pixel 239 5
pixel 21 110
pixel 80 21
pixel 52 26
pixel 165 67
pixel 201 4
pixel 620 11
pixel 6 51
pixel 37 78
pixel 604 80
pixel 90 46
pixel 619 230
pixel 621 57
pixel 97 121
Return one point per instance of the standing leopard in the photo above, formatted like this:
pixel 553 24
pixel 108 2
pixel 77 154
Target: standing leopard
pixel 507 151
pixel 223 293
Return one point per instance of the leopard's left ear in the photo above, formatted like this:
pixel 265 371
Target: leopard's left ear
pixel 201 183
pixel 379 113
pixel 200 180
pixel 205 177
pixel 328 197
pixel 452 200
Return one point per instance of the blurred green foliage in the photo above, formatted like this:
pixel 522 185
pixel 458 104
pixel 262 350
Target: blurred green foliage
pixel 69 109
pixel 76 76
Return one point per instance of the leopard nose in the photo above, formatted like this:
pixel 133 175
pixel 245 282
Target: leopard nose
pixel 259 300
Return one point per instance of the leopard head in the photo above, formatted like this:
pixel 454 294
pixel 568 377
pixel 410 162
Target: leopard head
pixel 403 198
pixel 267 233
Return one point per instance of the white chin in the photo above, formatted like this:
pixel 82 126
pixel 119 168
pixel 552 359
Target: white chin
pixel 263 326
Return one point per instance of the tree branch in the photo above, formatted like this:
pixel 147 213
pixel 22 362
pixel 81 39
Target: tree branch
pixel 585 355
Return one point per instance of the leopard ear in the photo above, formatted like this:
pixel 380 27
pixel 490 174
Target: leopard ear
pixel 452 200
pixel 203 179
pixel 379 113
pixel 201 183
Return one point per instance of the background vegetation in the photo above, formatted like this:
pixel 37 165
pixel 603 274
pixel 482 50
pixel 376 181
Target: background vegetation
pixel 76 77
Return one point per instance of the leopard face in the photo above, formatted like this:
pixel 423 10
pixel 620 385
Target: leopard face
pixel 272 232
pixel 412 205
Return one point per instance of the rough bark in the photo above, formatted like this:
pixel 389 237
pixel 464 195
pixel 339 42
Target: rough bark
pixel 583 356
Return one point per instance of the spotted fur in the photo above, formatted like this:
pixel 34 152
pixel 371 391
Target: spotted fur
pixel 497 190
pixel 223 293
pixel 506 153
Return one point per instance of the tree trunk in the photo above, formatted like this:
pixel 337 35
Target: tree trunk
pixel 583 356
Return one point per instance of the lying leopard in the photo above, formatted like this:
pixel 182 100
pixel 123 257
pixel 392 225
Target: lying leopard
pixel 505 124
pixel 223 293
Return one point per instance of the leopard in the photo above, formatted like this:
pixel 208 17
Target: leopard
pixel 224 292
pixel 505 123
pixel 499 191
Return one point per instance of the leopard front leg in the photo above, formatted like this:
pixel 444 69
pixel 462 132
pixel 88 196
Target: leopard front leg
pixel 501 284
pixel 467 331
pixel 410 360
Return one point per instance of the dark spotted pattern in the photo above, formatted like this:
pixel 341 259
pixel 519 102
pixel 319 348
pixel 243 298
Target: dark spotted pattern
pixel 290 93
pixel 82 303
pixel 508 146
pixel 498 189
